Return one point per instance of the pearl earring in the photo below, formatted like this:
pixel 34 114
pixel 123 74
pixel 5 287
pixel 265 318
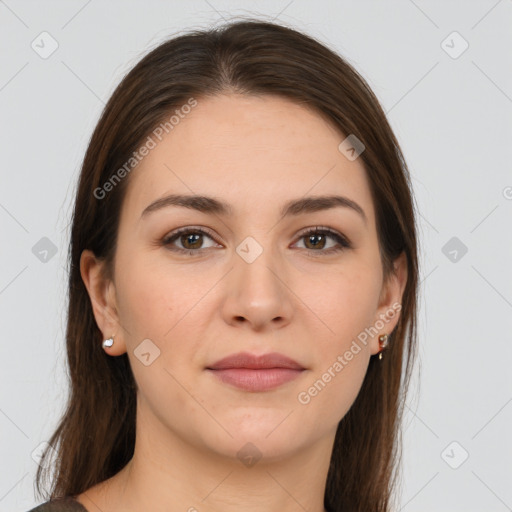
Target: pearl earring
pixel 109 342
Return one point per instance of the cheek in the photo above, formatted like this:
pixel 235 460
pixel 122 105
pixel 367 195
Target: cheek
pixel 341 358
pixel 151 297
pixel 145 305
pixel 159 303
pixel 347 307
pixel 332 391
pixel 346 302
pixel 156 302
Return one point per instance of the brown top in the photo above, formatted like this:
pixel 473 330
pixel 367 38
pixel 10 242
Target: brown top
pixel 66 504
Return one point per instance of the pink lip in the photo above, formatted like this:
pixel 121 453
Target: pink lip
pixel 256 373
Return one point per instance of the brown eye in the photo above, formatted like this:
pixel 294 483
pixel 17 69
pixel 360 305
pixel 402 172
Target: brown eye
pixel 190 239
pixel 316 240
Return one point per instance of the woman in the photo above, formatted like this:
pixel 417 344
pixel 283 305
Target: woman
pixel 243 286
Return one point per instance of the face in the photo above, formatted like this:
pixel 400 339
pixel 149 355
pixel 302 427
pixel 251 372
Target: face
pixel 305 285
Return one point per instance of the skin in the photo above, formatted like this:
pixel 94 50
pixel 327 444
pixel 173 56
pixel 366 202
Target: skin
pixel 255 153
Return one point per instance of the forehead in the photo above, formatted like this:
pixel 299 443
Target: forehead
pixel 251 151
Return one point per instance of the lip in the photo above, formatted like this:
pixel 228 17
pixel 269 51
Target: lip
pixel 256 373
pixel 253 362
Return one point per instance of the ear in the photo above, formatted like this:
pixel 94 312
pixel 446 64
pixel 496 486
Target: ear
pixel 390 301
pixel 103 300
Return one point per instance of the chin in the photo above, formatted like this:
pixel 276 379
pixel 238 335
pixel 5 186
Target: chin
pixel 272 436
pixel 259 448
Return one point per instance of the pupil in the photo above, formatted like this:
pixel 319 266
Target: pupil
pixel 189 237
pixel 311 237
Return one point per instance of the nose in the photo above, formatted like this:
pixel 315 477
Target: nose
pixel 257 294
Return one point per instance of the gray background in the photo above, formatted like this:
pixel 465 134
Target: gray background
pixel 452 115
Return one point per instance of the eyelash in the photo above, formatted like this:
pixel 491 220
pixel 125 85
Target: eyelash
pixel 318 230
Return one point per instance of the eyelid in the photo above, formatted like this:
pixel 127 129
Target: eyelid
pixel 310 229
pixel 186 229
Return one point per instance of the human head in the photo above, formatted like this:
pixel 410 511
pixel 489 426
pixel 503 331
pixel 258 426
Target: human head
pixel 252 60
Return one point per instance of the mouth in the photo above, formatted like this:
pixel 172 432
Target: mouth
pixel 256 373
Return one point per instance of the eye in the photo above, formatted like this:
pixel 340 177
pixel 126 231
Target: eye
pixel 190 239
pixel 315 240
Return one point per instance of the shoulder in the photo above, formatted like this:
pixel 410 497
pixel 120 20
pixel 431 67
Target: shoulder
pixel 65 504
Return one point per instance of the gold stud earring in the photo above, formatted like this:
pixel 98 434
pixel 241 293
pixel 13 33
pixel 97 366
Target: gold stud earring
pixel 383 343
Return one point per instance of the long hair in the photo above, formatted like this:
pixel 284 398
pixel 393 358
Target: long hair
pixel 95 436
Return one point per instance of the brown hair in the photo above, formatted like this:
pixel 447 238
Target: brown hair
pixel 95 437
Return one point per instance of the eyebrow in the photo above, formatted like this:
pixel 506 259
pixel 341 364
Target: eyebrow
pixel 211 205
